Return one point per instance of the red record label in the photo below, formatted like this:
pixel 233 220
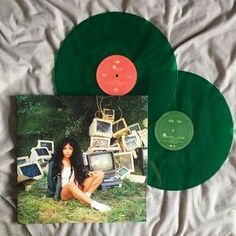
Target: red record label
pixel 116 75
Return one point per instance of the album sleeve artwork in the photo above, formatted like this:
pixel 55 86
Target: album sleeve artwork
pixel 81 159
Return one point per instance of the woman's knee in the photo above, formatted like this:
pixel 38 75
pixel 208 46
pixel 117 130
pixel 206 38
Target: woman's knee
pixel 71 185
pixel 65 194
pixel 100 174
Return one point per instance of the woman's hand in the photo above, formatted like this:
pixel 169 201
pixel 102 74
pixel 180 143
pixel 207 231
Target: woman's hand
pixel 91 173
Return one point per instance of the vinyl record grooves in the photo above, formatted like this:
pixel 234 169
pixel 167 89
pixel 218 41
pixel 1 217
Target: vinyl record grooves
pixel 210 145
pixel 115 33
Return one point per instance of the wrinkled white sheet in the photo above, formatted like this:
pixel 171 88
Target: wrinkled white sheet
pixel 203 35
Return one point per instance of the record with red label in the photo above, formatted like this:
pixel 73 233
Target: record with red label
pixel 116 53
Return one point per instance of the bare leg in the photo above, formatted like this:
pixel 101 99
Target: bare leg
pixel 71 190
pixel 91 183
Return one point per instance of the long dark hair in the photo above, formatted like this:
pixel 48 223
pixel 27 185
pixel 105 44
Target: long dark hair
pixel 76 160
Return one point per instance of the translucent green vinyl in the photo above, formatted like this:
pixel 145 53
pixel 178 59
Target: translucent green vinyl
pixel 181 169
pixel 115 33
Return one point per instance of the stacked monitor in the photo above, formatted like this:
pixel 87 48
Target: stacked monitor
pixel 119 127
pixel 134 127
pixel 31 170
pixel 40 154
pixel 131 142
pixel 108 114
pixel 22 160
pixel 32 166
pixel 101 128
pixel 102 161
pixel 124 159
pixel 48 144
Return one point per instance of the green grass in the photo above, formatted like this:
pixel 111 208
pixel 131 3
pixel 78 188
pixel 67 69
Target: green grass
pixel 128 205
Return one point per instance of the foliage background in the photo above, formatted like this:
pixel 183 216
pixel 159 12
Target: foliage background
pixel 54 117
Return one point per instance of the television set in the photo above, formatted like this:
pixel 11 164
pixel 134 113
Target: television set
pixel 103 149
pixel 119 127
pixel 102 161
pixel 108 114
pixel 130 142
pixel 142 154
pixel 134 127
pixel 101 128
pixel 48 144
pixel 40 154
pixel 99 142
pixel 116 147
pixel 143 134
pixel 31 170
pixel 124 159
pixel 22 160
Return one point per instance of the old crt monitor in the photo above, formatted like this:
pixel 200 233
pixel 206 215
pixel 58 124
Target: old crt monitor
pixel 143 134
pixel 119 127
pixel 102 161
pixel 22 160
pixel 32 170
pixel 46 143
pixel 101 128
pixel 124 159
pixel 99 141
pixel 40 154
pixel 134 127
pixel 130 142
pixel 108 114
pixel 123 172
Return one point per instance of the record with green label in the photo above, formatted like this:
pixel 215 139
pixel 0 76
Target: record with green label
pixel 86 60
pixel 190 141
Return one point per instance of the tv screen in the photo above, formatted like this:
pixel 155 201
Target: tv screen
pixel 21 161
pixel 101 161
pixel 130 138
pixel 118 126
pixel 124 159
pixel 99 142
pixel 131 144
pixel 46 144
pixel 123 171
pixel 42 152
pixel 103 126
pixel 31 170
pixel 134 127
pixel 108 112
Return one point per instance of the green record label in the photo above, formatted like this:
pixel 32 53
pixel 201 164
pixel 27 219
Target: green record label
pixel 174 130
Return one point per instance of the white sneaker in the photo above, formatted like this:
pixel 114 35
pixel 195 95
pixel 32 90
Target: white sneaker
pixel 100 206
pixel 88 194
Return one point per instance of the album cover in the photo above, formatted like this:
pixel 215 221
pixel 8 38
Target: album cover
pixel 81 159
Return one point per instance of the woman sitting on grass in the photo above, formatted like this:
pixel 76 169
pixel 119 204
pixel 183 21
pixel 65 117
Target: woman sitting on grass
pixel 76 181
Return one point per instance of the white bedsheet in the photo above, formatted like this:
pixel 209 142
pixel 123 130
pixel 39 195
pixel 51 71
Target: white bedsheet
pixel 203 35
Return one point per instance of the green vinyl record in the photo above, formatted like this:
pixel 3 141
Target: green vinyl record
pixel 115 33
pixel 189 142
